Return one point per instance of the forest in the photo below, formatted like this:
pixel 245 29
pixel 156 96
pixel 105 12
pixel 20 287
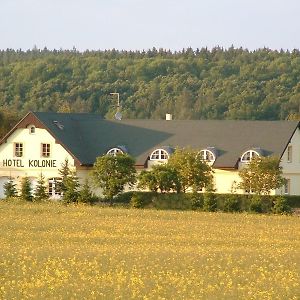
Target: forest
pixel 216 83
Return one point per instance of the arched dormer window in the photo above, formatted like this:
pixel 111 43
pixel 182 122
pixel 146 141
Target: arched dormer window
pixel 160 154
pixel 249 155
pixel 208 155
pixel 31 129
pixel 115 151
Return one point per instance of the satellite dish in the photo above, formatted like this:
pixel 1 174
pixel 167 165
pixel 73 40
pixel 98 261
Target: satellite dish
pixel 118 116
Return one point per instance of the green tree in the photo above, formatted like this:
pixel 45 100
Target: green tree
pixel 8 118
pixel 193 172
pixel 26 189
pixel 10 189
pixel 281 205
pixel 112 173
pixel 218 83
pixel 64 172
pixel 161 178
pixel 261 175
pixel 71 186
pixel 85 194
pixel 40 192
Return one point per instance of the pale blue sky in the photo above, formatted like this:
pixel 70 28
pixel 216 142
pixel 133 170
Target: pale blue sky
pixel 142 24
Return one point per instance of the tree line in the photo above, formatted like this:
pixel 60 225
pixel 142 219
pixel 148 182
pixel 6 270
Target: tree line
pixel 190 84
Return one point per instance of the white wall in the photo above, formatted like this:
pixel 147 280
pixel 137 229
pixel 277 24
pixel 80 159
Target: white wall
pixel 31 164
pixel 291 170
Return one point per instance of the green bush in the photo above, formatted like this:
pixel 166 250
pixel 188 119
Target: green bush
pixel 124 197
pixel 232 203
pixel 281 205
pixel 293 200
pixel 140 200
pixel 196 200
pixel 256 204
pixel 176 201
pixel 209 201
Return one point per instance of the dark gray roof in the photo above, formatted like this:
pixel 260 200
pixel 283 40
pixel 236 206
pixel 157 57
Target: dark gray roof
pixel 87 136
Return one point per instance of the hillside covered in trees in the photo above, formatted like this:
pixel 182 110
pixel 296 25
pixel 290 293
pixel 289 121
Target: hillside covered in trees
pixel 190 84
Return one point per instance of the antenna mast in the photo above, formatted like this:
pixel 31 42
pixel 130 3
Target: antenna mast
pixel 118 115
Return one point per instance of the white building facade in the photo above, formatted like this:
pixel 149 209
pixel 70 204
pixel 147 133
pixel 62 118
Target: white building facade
pixel 41 142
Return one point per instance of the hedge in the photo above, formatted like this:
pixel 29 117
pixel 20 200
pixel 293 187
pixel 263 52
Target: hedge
pixel 206 201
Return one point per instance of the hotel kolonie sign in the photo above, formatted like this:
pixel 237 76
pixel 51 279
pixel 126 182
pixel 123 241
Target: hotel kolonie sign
pixel 30 163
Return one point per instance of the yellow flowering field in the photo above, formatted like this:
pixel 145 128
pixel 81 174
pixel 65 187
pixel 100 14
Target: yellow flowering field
pixel 50 251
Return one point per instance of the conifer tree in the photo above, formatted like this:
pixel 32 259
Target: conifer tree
pixel 26 189
pixel 10 189
pixel 41 190
pixel 85 194
pixel 71 185
pixel 64 172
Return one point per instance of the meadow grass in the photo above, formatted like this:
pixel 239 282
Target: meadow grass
pixel 50 251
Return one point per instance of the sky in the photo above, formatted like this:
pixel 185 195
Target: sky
pixel 143 24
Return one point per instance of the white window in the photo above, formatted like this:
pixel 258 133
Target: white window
pixel 287 187
pixel 207 155
pixel 289 153
pixel 18 149
pixel 249 155
pixel 32 129
pixel 159 154
pixel 45 150
pixel 114 151
pixel 53 187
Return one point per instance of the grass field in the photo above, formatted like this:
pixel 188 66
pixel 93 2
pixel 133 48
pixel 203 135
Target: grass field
pixel 49 251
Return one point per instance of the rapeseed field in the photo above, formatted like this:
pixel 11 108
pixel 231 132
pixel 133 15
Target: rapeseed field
pixel 51 251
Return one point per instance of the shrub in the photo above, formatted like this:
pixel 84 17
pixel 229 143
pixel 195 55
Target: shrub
pixel 124 197
pixel 293 200
pixel 196 201
pixel 209 201
pixel 140 200
pixel 256 204
pixel 280 205
pixel 232 203
pixel 181 201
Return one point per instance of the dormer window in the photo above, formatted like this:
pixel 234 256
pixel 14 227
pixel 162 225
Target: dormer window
pixel 249 155
pixel 114 151
pixel 207 155
pixel 159 154
pixel 31 129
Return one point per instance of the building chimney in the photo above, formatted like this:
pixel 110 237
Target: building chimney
pixel 168 117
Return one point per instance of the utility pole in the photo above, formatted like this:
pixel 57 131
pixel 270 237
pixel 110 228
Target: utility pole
pixel 118 114
pixel 118 94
